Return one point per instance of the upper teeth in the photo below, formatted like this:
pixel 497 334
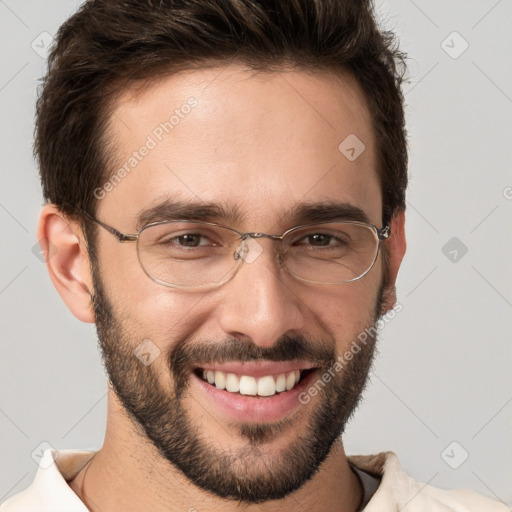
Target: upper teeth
pixel 248 385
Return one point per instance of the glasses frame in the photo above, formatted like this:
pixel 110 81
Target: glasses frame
pixel 382 234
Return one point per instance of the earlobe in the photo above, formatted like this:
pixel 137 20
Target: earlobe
pixel 396 247
pixel 67 261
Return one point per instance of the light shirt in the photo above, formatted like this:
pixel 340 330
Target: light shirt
pixel 369 483
pixel 397 492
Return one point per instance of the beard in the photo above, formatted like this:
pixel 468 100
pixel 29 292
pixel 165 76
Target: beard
pixel 246 474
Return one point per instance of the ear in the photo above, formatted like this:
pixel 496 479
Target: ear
pixel 396 247
pixel 67 261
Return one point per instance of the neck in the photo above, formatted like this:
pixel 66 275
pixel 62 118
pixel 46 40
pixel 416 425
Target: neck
pixel 128 474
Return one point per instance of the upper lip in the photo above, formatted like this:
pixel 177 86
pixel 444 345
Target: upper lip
pixel 260 368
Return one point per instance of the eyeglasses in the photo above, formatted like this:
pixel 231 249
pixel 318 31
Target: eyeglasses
pixel 203 255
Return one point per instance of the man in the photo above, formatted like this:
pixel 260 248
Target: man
pixel 225 187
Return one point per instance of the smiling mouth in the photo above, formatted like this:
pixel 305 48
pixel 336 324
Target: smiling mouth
pixel 248 385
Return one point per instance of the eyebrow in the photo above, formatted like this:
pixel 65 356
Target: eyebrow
pixel 175 209
pixel 170 209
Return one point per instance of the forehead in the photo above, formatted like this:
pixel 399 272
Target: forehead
pixel 258 143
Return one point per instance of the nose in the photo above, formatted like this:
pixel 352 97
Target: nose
pixel 261 301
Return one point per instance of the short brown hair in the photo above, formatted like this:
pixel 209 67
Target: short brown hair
pixel 108 44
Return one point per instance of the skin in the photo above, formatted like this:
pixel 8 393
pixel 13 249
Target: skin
pixel 262 142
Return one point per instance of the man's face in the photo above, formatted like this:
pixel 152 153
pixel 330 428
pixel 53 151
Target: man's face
pixel 259 144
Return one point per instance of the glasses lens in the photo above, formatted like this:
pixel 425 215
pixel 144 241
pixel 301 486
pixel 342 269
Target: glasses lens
pixel 187 254
pixel 332 253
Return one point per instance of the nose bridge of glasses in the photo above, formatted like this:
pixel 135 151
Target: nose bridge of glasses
pixel 249 249
pixel 257 234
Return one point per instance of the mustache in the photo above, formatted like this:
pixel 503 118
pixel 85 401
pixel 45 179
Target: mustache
pixel 185 356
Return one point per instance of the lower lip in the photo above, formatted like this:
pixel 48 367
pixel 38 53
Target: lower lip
pixel 250 408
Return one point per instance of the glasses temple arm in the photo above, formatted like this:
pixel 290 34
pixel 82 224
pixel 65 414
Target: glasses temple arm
pixel 120 236
pixel 385 232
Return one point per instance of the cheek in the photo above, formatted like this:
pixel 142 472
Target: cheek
pixel 159 313
pixel 348 309
pixel 120 267
pixel 146 309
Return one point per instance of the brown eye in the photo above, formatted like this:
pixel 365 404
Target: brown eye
pixel 188 240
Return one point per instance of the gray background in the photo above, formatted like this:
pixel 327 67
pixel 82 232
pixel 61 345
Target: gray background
pixel 443 373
